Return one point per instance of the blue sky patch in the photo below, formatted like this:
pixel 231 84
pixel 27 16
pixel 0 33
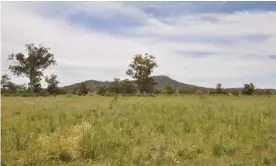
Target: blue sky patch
pixel 258 38
pixel 272 56
pixel 116 23
pixel 164 9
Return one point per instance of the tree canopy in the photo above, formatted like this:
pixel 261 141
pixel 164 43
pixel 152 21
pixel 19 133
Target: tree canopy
pixel 33 65
pixel 141 69
pixel 52 84
pixel 248 89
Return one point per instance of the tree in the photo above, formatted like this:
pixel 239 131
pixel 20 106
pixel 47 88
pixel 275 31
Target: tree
pixel 21 88
pixel 248 89
pixel 269 91
pixel 11 87
pixel 52 84
pixel 7 85
pixel 156 90
pixel 141 69
pixel 219 88
pixel 75 90
pixel 33 65
pixel 128 87
pixel 35 86
pixel 83 90
pixel 115 86
pixel 102 90
pixel 169 89
pixel 5 79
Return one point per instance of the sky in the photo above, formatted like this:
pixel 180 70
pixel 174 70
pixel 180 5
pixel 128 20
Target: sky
pixel 201 43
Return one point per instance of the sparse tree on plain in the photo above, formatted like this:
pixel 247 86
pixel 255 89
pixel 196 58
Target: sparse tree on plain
pixel 101 90
pixel 248 89
pixel 33 65
pixel 52 84
pixel 115 86
pixel 169 89
pixel 7 85
pixel 219 88
pixel 5 79
pixel 141 69
pixel 83 90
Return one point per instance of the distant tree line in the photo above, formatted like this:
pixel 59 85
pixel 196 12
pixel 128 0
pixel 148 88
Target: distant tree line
pixel 130 87
pixel 140 70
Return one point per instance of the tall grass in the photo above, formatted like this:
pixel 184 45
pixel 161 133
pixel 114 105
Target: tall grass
pixel 162 130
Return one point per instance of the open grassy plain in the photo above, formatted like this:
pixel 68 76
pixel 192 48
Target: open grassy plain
pixel 162 130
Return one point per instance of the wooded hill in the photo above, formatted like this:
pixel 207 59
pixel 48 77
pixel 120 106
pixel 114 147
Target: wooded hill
pixel 162 82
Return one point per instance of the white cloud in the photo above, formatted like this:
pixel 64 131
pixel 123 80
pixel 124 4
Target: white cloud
pixel 89 54
pixel 222 25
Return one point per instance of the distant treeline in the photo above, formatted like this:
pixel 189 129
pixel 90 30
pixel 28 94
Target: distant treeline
pixel 140 70
pixel 130 87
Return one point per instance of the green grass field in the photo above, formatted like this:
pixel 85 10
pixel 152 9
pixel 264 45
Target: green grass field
pixel 162 130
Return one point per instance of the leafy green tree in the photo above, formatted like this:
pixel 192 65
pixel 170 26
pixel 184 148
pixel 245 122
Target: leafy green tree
pixel 7 85
pixel 21 88
pixel 11 87
pixel 248 89
pixel 219 88
pixel 52 84
pixel 35 86
pixel 101 90
pixel 128 87
pixel 169 89
pixel 83 90
pixel 33 65
pixel 141 69
pixel 115 86
pixel 269 92
pixel 157 91
pixel 5 79
pixel 75 90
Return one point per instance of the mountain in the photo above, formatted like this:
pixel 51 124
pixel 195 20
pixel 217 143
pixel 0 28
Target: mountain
pixel 162 82
pixel 91 85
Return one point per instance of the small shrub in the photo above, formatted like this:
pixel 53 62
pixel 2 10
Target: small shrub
pixel 219 149
pixel 161 128
pixel 229 151
pixel 186 153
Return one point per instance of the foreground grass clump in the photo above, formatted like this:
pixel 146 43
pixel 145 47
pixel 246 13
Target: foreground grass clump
pixel 161 130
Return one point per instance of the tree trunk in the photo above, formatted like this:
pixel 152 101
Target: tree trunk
pixel 31 84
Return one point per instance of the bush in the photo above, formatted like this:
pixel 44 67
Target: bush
pixel 83 90
pixel 107 93
pixel 101 90
pixel 156 91
pixel 248 89
pixel 169 89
